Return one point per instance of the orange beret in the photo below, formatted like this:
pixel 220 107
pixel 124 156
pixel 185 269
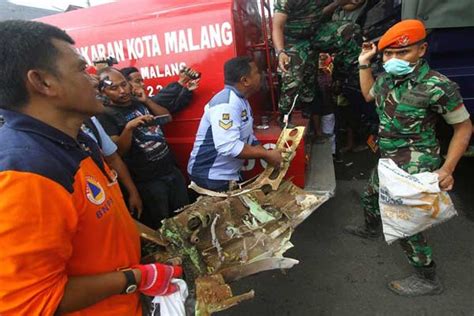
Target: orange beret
pixel 403 34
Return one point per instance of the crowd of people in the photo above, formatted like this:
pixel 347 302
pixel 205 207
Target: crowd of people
pixel 72 136
pixel 83 149
pixel 409 97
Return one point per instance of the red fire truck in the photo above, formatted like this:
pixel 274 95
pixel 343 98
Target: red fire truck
pixel 160 36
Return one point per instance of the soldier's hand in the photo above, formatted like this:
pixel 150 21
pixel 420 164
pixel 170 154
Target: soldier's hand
pixel 368 52
pixel 283 61
pixel 445 179
pixel 274 157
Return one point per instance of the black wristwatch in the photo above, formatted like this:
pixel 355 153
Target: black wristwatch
pixel 364 66
pixel 278 52
pixel 131 285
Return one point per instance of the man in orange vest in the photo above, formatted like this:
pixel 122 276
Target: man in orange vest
pixel 68 242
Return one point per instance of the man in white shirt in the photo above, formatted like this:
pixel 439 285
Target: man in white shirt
pixel 225 136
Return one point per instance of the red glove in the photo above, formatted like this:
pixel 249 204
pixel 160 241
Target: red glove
pixel 156 278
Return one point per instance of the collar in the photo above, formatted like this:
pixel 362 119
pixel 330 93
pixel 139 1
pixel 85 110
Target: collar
pixel 22 122
pixel 417 75
pixel 236 91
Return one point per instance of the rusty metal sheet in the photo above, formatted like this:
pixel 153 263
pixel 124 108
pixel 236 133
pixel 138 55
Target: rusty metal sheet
pixel 231 235
pixel 213 295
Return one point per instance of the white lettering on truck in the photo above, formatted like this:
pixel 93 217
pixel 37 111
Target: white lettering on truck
pixel 175 42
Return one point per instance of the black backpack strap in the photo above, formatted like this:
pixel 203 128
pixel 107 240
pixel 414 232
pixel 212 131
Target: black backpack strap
pixel 90 125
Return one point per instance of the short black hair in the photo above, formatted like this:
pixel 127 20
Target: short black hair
pixel 25 45
pixel 127 71
pixel 236 68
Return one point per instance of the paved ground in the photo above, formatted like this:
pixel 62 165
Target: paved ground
pixel 342 275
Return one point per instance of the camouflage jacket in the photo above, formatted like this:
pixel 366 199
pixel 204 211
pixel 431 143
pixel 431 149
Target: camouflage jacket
pixel 304 17
pixel 408 109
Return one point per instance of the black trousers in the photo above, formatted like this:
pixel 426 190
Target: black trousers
pixel 162 196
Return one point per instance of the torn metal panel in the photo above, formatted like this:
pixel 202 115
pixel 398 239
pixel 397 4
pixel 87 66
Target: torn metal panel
pixel 241 232
pixel 239 272
pixel 288 142
pixel 149 234
pixel 213 295
pixel 230 236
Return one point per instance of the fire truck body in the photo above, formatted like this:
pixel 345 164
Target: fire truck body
pixel 160 36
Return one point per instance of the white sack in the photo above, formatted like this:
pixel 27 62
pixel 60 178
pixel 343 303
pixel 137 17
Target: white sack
pixel 410 204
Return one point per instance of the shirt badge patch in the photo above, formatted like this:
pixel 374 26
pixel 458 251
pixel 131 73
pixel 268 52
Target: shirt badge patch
pixel 244 116
pixel 94 191
pixel 225 116
pixel 225 126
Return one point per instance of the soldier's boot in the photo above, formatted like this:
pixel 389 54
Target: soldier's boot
pixel 370 230
pixel 423 282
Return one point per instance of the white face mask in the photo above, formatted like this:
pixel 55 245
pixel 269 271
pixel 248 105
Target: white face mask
pixel 398 67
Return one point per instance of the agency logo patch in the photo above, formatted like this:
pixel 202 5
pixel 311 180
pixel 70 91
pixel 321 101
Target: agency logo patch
pixel 244 116
pixel 94 191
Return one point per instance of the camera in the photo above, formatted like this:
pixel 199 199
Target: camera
pixel 104 83
pixel 110 61
pixel 189 73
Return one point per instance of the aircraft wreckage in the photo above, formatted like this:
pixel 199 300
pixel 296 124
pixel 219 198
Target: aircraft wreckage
pixel 223 237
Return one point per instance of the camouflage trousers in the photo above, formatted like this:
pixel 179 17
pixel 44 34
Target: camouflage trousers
pixel 338 37
pixel 416 248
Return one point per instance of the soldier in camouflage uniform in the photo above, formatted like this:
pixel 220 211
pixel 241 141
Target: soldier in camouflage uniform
pixel 301 30
pixel 409 98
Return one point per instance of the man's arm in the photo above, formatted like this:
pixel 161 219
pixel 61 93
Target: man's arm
pixel 134 201
pixel 457 147
pixel 278 37
pixel 279 21
pixel 366 77
pixel 447 101
pixel 225 124
pixel 156 109
pixel 124 140
pixel 174 97
pixel 273 157
pixel 84 291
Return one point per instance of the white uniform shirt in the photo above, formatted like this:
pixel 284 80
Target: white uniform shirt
pixel 225 127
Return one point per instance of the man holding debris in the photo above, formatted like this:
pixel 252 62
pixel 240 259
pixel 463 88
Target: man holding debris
pixel 68 243
pixel 410 97
pixel 225 136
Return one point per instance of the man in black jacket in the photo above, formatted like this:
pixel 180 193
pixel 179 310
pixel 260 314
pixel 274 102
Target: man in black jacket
pixel 129 120
pixel 175 96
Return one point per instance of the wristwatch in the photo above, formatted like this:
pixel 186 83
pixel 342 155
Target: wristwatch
pixel 131 285
pixel 364 66
pixel 279 51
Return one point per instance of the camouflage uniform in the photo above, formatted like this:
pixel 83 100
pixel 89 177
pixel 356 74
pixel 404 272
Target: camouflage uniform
pixel 308 32
pixel 408 110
